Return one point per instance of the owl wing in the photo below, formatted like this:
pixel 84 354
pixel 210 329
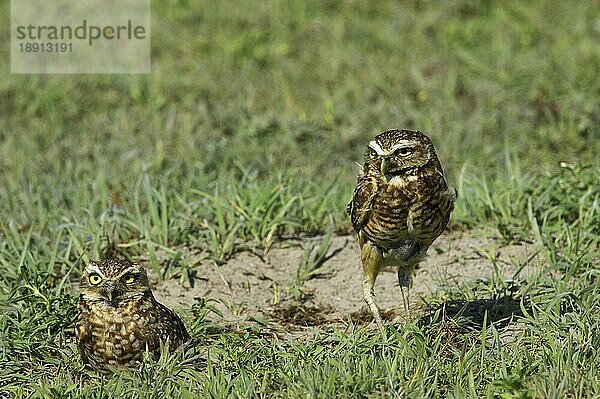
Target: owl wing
pixel 427 223
pixel 83 335
pixel 167 326
pixel 359 208
pixel 445 198
pixel 178 334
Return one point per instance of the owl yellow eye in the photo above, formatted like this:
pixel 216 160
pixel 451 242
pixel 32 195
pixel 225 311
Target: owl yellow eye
pixel 95 279
pixel 404 151
pixel 128 278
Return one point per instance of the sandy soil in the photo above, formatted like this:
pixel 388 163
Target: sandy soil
pixel 265 288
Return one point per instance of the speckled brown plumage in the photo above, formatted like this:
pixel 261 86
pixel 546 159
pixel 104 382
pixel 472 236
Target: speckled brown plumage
pixel 401 204
pixel 119 318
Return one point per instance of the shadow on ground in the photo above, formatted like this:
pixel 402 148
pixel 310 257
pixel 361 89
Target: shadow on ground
pixel 475 314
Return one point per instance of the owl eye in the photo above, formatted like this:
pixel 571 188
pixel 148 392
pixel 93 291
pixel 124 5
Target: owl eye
pixel 404 152
pixel 95 279
pixel 372 152
pixel 128 278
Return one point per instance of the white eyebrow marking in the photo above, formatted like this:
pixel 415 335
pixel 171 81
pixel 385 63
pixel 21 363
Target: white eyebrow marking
pixel 376 147
pixel 404 143
pixel 130 269
pixel 93 269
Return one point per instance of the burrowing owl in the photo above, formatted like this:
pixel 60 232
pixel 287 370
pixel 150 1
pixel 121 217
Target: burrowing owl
pixel 119 318
pixel 401 204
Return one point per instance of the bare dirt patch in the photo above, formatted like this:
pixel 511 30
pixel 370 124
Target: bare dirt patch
pixel 296 314
pixel 252 287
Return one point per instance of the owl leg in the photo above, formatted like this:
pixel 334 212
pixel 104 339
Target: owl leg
pixel 405 281
pixel 371 261
pixel 369 295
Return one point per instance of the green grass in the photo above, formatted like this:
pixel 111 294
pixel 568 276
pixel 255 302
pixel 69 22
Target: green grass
pixel 246 133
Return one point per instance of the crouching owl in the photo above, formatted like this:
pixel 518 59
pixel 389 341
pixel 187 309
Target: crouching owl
pixel 119 318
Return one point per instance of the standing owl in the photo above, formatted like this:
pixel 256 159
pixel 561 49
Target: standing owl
pixel 401 204
pixel 119 318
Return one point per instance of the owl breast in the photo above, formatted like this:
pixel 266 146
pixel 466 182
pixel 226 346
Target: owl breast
pixel 107 335
pixel 409 213
pixel 386 226
pixel 118 336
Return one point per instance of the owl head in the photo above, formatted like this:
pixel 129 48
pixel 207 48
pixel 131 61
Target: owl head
pixel 397 152
pixel 111 282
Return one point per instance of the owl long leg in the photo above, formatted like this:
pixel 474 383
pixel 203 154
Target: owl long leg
pixel 369 295
pixel 405 281
pixel 405 299
pixel 371 262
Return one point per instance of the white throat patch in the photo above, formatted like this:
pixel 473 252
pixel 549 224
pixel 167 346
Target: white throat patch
pixel 401 181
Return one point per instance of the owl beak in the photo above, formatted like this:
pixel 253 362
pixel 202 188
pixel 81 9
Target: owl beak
pixel 109 292
pixel 383 167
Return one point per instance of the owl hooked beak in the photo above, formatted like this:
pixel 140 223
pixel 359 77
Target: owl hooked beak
pixel 383 167
pixel 111 293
